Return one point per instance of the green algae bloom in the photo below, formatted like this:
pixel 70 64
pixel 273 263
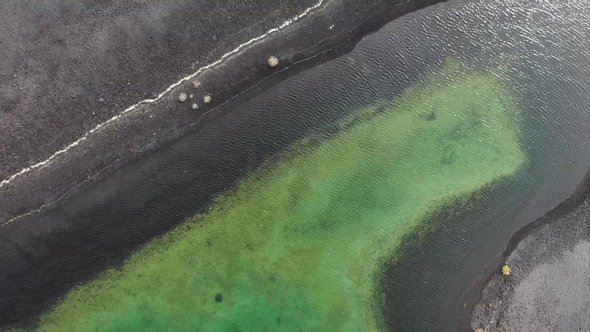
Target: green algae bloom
pixel 300 243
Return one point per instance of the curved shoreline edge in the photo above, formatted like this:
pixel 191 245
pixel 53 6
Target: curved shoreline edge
pixel 233 53
pixel 308 235
pixel 64 229
pixel 163 120
pixel 491 286
pixel 94 158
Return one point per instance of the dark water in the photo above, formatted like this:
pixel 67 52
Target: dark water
pixel 546 47
pixel 543 44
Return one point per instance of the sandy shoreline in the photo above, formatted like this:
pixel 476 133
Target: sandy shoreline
pixel 70 67
pixel 532 252
pixel 66 237
pixel 69 243
pixel 135 133
pixel 47 253
pixel 153 125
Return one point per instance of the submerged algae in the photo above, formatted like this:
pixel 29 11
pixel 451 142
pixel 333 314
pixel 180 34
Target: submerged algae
pixel 299 243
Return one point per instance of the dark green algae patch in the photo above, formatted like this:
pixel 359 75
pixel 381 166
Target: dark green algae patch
pixel 300 243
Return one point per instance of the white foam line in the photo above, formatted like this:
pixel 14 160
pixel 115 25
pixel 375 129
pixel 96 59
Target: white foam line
pixel 160 96
pixel 42 207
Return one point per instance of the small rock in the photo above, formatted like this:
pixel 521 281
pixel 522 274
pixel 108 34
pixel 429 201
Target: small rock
pixel 273 61
pixel 194 106
pixel 207 99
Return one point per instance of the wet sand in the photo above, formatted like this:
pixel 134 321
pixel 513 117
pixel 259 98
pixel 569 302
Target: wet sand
pixel 144 129
pixel 79 236
pixel 68 67
pixel 97 95
pixel 84 228
pixel 549 284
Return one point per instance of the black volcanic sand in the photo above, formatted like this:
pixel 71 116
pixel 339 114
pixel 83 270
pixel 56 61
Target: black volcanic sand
pixel 68 66
pixel 545 45
pixel 549 287
pixel 85 64
pixel 97 225
pixel 542 45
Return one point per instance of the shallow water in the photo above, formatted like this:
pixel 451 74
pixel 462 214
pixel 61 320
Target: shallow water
pixel 541 51
pixel 299 244
pixel 546 48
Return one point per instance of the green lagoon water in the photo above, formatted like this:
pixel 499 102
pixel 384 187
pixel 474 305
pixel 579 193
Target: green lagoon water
pixel 299 244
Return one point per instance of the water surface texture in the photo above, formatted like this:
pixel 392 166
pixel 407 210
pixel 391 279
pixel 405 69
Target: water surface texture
pixel 548 52
pixel 298 244
pixel 369 192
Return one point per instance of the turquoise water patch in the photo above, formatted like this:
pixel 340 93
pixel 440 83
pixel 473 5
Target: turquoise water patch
pixel 299 243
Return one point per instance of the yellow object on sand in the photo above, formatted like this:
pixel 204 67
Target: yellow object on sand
pixel 506 270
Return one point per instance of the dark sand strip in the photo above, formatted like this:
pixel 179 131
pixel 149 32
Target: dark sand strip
pixel 549 287
pixel 67 67
pixel 97 225
pixel 329 31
